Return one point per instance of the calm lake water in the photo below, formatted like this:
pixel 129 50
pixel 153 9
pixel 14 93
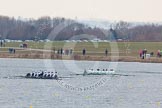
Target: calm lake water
pixel 135 85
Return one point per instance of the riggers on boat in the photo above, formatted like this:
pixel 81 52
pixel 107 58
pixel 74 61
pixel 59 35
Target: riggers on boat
pixel 42 75
pixel 99 72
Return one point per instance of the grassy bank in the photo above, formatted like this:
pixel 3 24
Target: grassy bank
pixel 127 51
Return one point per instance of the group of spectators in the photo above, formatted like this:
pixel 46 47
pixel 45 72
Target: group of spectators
pixel 63 51
pixel 12 50
pixel 70 51
pixel 143 53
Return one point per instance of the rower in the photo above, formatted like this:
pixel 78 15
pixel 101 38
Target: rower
pixel 32 74
pixel 49 74
pixel 52 74
pixel 35 74
pixel 55 76
pixel 28 75
pixel 44 74
pixel 41 74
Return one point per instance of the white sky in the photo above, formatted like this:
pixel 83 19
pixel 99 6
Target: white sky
pixel 128 10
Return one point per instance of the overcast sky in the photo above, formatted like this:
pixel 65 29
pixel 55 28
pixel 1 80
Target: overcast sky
pixel 127 10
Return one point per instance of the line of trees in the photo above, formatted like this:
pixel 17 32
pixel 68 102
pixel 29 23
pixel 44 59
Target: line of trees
pixel 32 29
pixel 143 32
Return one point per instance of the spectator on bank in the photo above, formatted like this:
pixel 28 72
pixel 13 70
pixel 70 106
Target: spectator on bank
pixel 145 52
pixel 67 51
pixel 61 51
pixel 71 51
pixel 54 50
pixel 4 43
pixel 140 53
pixel 151 54
pixel 1 43
pixel 106 52
pixel 58 51
pixel 84 51
pixel 158 53
pixel 14 51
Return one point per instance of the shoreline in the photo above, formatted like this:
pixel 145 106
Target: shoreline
pixel 81 58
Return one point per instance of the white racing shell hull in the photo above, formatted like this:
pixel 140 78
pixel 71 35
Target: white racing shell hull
pixel 95 72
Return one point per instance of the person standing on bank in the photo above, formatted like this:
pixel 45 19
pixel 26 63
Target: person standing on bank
pixel 106 52
pixel 1 43
pixel 145 52
pixel 54 50
pixel 84 51
pixel 58 51
pixel 61 51
pixel 14 51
